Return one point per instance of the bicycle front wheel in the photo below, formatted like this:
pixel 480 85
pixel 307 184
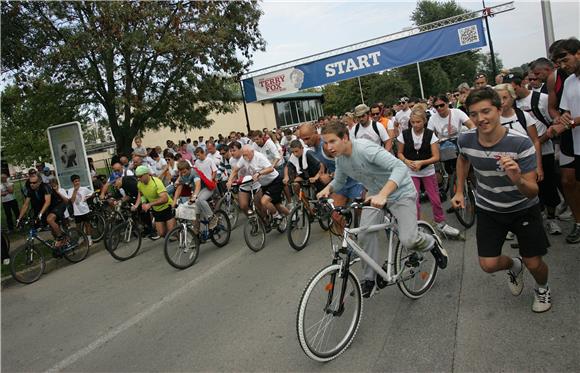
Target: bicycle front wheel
pixel 124 241
pixel 466 216
pixel 97 223
pixel 326 325
pixel 231 208
pixel 77 248
pixel 254 233
pixel 418 270
pixel 220 235
pixel 298 228
pixel 27 264
pixel 181 247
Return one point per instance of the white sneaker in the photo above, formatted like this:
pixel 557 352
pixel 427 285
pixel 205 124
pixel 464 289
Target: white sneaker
pixel 542 300
pixel 516 280
pixel 510 236
pixel 448 230
pixel 6 261
pixel 566 215
pixel 553 228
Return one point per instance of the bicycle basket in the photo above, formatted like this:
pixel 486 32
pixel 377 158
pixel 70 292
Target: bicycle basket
pixel 185 211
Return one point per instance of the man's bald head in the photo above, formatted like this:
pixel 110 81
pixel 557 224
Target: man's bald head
pixel 248 152
pixel 308 134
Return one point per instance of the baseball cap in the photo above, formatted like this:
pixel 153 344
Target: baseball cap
pixel 361 110
pixel 404 99
pixel 513 76
pixel 141 170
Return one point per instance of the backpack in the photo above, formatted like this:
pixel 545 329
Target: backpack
pixel 374 124
pixel 536 108
pixel 521 119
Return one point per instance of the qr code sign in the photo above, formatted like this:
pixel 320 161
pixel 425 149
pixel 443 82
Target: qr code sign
pixel 468 35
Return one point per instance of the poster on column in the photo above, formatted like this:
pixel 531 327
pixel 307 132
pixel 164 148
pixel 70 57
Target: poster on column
pixel 68 154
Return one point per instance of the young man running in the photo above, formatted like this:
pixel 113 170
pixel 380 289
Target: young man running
pixel 507 195
pixel 389 183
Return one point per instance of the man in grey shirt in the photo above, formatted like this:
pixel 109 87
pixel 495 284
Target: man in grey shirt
pixel 388 181
pixel 504 162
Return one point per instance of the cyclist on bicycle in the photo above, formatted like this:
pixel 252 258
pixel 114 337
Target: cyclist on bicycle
pixel 46 204
pixel 303 165
pixel 388 182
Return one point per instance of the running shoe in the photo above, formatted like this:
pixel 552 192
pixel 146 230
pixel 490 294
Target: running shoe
pixel 448 230
pixel 213 222
pixel 553 228
pixel 574 236
pixel 516 280
pixel 542 300
pixel 439 253
pixel 368 287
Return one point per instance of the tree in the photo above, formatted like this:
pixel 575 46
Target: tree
pixel 146 64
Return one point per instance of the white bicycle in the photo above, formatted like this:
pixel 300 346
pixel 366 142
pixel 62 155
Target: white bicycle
pixel 330 308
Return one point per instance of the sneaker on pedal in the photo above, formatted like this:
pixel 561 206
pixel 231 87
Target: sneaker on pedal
pixel 542 300
pixel 213 222
pixel 553 228
pixel 574 236
pixel 448 230
pixel 439 253
pixel 510 236
pixel 153 236
pixel 516 280
pixel 368 288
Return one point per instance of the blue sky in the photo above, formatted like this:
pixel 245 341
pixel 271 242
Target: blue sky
pixel 295 29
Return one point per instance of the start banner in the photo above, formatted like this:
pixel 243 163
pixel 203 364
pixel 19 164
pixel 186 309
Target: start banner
pixel 420 47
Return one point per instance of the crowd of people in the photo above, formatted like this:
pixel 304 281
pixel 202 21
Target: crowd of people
pixel 518 138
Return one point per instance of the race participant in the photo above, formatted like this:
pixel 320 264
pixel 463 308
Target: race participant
pixel 9 203
pixel 152 190
pixel 213 154
pixel 507 196
pixel 303 165
pixel 388 182
pixel 78 196
pixel 244 195
pixel 480 81
pixel 419 152
pixel 368 128
pixel 270 197
pixel 402 116
pixel 206 170
pixel 46 205
pixel 127 192
pixel 118 171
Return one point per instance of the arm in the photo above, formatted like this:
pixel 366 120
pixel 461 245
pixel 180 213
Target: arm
pixel 9 188
pixel 196 190
pixel 47 199
pixel 469 124
pixel 104 190
pixel 553 109
pixel 526 183
pixel 462 168
pixel 24 208
pixel 533 133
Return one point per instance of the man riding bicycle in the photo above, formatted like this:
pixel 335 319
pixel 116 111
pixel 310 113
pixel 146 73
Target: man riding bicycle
pixel 388 181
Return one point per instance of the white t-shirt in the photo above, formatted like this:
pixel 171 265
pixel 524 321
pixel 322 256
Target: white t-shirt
pixel 369 133
pixel 440 125
pixel 402 117
pixel 417 142
pixel 80 205
pixel 526 105
pixel 215 157
pixel 270 150
pixel 257 164
pixel 207 166
pixel 285 141
pixel 571 102
pixel 158 166
pixel 9 196
pixel 513 123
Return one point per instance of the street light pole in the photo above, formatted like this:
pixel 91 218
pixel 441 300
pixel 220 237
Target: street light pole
pixel 548 24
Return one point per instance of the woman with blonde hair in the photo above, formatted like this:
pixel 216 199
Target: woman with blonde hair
pixel 419 150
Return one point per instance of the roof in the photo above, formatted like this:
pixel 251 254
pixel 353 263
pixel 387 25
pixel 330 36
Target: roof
pixel 299 96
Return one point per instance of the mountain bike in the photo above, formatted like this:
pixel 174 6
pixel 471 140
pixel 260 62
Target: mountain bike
pixel 330 308
pixel 27 263
pixel 304 213
pixel 229 204
pixel 182 243
pixel 125 239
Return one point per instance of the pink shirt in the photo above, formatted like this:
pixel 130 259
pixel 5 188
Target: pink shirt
pixel 186 155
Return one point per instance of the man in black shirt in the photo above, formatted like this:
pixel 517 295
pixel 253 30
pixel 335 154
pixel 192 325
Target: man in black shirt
pixel 303 165
pixel 46 204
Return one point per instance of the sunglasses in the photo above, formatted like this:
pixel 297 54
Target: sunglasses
pixel 375 114
pixel 456 95
pixel 480 76
pixel 439 106
pixel 532 79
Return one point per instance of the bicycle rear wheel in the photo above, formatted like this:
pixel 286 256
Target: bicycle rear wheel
pixel 254 233
pixel 466 216
pixel 27 264
pixel 231 208
pixel 325 329
pixel 77 248
pixel 419 268
pixel 220 235
pixel 125 241
pixel 298 228
pixel 181 247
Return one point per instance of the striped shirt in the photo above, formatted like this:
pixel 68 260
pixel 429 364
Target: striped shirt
pixel 495 191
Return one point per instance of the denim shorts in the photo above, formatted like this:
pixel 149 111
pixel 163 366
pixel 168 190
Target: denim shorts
pixel 352 191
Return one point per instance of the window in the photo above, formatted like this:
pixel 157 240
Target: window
pixel 295 112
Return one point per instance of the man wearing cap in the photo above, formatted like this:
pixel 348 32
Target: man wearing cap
pixel 369 128
pixel 118 171
pixel 480 81
pixel 403 115
pixel 152 191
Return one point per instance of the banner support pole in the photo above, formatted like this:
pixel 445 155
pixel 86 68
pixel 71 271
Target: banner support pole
pixel 486 14
pixel 245 107
pixel 420 81
pixel 362 99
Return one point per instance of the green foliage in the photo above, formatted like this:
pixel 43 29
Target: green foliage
pixel 147 64
pixel 27 113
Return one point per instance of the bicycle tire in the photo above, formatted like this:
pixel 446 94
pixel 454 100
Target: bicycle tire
pixel 254 228
pixel 187 247
pixel 27 264
pixel 324 217
pixel 112 221
pixel 298 224
pixel 97 223
pixel 282 225
pixel 124 241
pixel 466 216
pixel 220 236
pixel 418 280
pixel 322 286
pixel 231 209
pixel 77 248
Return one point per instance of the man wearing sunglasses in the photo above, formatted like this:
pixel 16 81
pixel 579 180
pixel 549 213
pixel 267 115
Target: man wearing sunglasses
pixel 368 126
pixel 46 204
pixel 403 115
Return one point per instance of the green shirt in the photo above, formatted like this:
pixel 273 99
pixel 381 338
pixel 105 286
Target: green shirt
pixel 152 192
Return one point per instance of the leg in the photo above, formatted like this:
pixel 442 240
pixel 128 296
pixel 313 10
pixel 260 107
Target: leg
pixel 495 264
pixel 8 213
pixel 417 182
pixel 432 190
pixel 403 210
pixel 538 269
pixel 202 198
pixel 244 201
pixel 571 192
pixel 370 241
pixel 55 228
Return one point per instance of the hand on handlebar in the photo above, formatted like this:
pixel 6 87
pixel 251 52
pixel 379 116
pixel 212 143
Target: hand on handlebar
pixel 324 193
pixel 377 201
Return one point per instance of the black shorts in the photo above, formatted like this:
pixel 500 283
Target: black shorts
pixel 81 218
pixel 577 166
pixel 58 210
pixel 527 225
pixel 163 215
pixel 274 190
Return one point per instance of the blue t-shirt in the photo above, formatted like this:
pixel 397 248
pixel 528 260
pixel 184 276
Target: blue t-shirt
pixel 330 164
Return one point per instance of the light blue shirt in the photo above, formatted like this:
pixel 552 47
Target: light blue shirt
pixel 373 166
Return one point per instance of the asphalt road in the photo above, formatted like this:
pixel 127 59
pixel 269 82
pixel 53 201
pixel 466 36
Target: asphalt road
pixel 235 310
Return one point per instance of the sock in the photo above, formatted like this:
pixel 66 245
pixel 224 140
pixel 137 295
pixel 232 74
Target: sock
pixel 517 266
pixel 542 288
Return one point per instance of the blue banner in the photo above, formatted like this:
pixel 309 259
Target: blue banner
pixel 425 46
